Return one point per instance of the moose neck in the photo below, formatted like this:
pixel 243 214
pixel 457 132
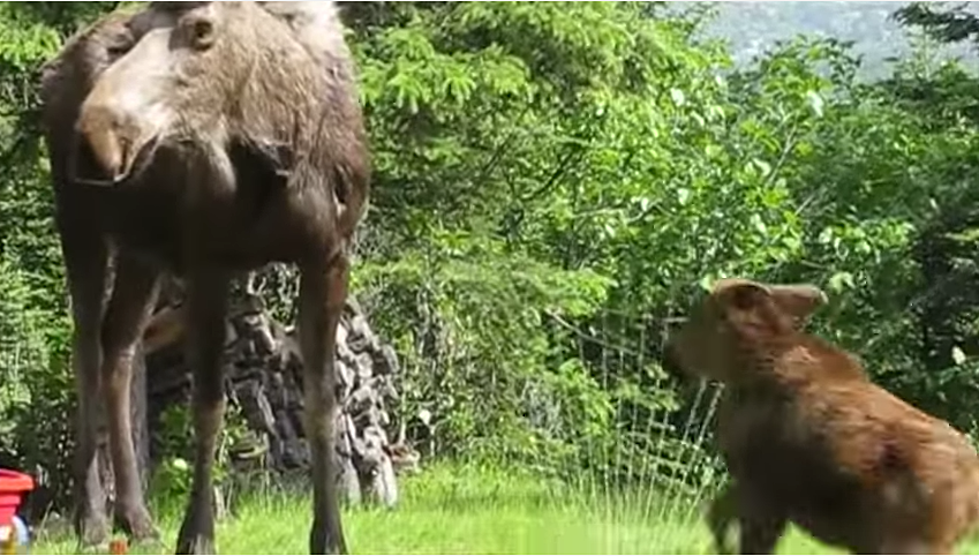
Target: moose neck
pixel 773 361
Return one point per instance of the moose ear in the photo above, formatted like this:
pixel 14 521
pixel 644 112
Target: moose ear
pixel 177 7
pixel 742 295
pixel 749 307
pixel 275 159
pixel 799 300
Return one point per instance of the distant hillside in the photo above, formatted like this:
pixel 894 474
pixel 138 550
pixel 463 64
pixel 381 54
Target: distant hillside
pixel 753 27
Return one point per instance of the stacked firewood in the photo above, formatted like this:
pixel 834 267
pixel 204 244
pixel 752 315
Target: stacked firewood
pixel 264 381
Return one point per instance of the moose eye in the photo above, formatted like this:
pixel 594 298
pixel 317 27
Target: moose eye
pixel 117 50
pixel 120 43
pixel 203 33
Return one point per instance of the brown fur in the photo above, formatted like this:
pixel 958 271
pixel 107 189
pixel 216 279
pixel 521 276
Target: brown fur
pixel 201 139
pixel 809 439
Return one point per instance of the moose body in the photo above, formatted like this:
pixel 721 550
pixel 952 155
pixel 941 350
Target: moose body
pixel 809 439
pixel 201 139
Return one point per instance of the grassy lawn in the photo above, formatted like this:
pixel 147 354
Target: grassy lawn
pixel 466 511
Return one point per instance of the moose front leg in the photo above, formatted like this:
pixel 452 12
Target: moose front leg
pixel 321 296
pixel 207 303
pixel 86 263
pixel 129 309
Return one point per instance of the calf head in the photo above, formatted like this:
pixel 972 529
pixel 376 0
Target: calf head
pixel 739 319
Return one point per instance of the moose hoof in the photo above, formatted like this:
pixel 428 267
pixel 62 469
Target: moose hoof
pixel 323 540
pixel 138 524
pixel 197 544
pixel 91 528
pixel 197 531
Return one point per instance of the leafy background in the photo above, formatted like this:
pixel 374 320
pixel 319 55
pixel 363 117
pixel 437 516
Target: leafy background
pixel 554 182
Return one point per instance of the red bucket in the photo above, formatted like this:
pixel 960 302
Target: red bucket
pixel 13 486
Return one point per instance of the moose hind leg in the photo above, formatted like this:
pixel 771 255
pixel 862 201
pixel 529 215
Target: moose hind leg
pixel 86 262
pixel 207 302
pixel 321 297
pixel 129 309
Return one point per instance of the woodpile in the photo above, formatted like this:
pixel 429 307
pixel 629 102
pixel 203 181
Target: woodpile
pixel 263 380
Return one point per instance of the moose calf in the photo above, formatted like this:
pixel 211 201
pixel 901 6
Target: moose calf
pixel 808 438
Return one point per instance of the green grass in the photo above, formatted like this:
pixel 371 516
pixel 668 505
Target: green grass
pixel 469 511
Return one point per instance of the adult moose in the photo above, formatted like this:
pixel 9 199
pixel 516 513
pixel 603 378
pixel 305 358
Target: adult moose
pixel 201 139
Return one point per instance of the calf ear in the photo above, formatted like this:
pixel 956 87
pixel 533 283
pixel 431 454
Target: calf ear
pixel 750 308
pixel 739 293
pixel 799 300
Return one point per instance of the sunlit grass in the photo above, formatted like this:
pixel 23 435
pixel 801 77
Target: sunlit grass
pixel 465 510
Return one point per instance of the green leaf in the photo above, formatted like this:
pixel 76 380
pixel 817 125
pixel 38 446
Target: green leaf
pixel 678 97
pixel 841 281
pixel 958 356
pixel 815 103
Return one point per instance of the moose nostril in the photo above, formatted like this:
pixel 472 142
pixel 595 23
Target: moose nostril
pixel 87 167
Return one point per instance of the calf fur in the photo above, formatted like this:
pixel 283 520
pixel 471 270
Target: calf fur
pixel 809 439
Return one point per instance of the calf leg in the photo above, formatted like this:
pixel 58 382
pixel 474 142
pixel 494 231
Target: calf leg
pixel 760 534
pixel 322 294
pixel 129 309
pixel 911 546
pixel 207 302
pixel 86 260
pixel 761 524
pixel 722 511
